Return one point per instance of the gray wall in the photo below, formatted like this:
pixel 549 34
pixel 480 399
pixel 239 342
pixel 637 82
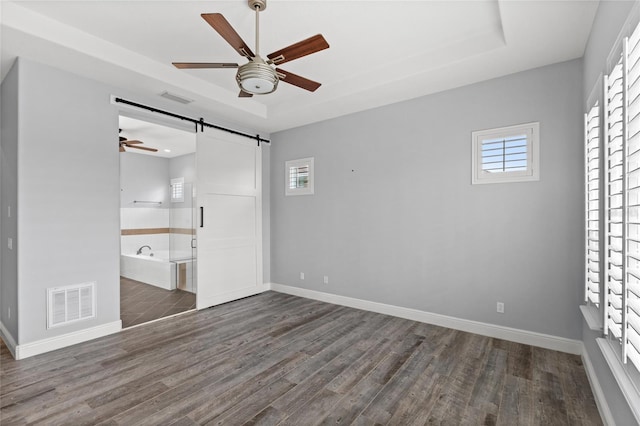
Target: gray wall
pixel 144 178
pixel 68 210
pixel 395 219
pixel 9 198
pixel 606 27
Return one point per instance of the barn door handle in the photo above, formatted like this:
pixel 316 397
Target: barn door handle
pixel 201 217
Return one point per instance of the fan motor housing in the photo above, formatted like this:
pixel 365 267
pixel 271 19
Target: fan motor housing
pixel 258 4
pixel 257 77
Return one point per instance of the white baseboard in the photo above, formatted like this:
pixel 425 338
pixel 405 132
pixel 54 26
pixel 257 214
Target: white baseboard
pixel 598 393
pixel 506 333
pixel 204 302
pixel 8 339
pixel 51 344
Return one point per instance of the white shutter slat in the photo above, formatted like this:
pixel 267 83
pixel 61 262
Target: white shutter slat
pixel 614 328
pixel 633 335
pixel 615 274
pixel 634 356
pixel 615 258
pixel 616 73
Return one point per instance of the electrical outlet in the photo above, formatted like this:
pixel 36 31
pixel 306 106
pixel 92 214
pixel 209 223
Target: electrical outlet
pixel 500 308
pixel 9 312
pixel 302 275
pixel 10 243
pixel 8 211
pixel 326 279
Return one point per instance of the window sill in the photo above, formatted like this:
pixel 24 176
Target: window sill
pixel 627 387
pixel 592 317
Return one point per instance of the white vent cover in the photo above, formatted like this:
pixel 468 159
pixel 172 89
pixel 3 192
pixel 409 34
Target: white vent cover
pixel 176 98
pixel 70 304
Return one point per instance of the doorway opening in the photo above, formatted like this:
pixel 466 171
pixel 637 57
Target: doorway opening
pixel 157 220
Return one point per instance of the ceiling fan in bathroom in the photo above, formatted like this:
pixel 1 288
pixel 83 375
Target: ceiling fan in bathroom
pixel 259 75
pixel 132 143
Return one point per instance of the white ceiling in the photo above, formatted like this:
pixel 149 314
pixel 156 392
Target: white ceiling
pixel 381 51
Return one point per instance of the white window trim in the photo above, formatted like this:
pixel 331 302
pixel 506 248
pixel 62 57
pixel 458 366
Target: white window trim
pixel 619 371
pixel 309 190
pixel 533 154
pixel 592 316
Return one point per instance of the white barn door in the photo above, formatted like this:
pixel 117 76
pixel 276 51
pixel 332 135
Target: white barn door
pixel 229 227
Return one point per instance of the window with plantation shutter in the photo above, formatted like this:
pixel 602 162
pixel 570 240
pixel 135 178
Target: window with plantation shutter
pixel 622 139
pixel 506 154
pixel 299 178
pixel 592 219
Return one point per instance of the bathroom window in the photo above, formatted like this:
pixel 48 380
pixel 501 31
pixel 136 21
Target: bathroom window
pixel 177 190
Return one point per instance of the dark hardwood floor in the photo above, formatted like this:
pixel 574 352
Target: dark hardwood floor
pixel 278 359
pixel 140 302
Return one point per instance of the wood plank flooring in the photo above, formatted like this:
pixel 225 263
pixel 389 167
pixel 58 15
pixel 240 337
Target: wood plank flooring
pixel 275 359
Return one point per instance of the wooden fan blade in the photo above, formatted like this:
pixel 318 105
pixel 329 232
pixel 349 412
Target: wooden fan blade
pixel 143 147
pixel 296 80
pixel 122 148
pixel 244 94
pixel 224 28
pixel 199 65
pixel 298 50
pixel 132 141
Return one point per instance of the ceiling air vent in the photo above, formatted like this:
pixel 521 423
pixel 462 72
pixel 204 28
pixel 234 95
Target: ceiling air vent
pixel 176 98
pixel 70 304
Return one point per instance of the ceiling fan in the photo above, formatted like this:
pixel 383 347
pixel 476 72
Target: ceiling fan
pixel 132 143
pixel 259 76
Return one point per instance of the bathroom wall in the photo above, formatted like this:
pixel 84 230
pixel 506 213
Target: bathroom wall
pixel 164 226
pixel 183 166
pixel 144 178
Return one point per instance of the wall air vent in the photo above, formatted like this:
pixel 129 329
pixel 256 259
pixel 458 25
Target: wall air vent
pixel 176 98
pixel 70 304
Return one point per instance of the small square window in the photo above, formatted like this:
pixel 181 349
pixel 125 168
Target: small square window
pixel 177 190
pixel 506 154
pixel 299 176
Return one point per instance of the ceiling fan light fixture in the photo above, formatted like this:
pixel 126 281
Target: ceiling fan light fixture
pixel 257 78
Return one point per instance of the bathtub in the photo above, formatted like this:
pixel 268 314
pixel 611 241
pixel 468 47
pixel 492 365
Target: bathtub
pixel 156 268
